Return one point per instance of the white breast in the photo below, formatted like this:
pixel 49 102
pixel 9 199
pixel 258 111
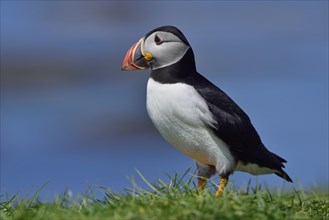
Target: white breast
pixel 181 115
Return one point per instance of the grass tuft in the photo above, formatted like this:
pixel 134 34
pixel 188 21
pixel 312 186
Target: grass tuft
pixel 176 198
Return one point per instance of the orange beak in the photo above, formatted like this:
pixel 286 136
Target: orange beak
pixel 134 59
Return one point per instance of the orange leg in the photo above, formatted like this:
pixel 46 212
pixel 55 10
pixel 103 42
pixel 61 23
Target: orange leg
pixel 201 184
pixel 222 184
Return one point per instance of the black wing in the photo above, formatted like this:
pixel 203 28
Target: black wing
pixel 235 128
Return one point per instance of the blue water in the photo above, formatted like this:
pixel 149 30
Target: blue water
pixel 71 117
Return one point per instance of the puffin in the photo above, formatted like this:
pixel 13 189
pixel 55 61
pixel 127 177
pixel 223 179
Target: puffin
pixel 196 116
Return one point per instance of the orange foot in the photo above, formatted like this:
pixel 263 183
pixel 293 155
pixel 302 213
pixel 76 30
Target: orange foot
pixel 201 184
pixel 222 184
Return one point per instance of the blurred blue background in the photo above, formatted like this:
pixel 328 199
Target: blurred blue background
pixel 71 117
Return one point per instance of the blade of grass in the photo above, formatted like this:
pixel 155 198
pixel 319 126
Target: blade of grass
pixel 298 196
pixel 147 182
pixel 248 186
pixel 5 204
pixel 35 195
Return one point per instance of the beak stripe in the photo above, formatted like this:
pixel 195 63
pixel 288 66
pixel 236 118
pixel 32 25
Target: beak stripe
pixel 135 57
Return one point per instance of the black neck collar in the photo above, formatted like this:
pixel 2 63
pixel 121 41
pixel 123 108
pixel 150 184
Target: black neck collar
pixel 177 72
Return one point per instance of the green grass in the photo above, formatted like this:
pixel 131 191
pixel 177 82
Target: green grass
pixel 177 199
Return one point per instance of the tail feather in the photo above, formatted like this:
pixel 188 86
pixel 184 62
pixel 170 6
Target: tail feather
pixel 280 171
pixel 283 175
pixel 279 158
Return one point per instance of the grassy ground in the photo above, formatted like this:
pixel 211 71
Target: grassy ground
pixel 177 199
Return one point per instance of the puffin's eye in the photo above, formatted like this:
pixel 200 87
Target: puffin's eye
pixel 158 40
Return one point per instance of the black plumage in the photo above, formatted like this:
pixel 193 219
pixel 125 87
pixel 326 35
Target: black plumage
pixel 233 124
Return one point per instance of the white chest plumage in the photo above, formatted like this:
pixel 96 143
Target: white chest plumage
pixel 181 115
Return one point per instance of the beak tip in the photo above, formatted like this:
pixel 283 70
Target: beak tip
pixel 125 66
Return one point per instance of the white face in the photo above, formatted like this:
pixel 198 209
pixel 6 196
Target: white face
pixel 165 48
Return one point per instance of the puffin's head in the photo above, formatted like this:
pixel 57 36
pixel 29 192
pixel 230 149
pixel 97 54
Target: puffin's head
pixel 159 48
